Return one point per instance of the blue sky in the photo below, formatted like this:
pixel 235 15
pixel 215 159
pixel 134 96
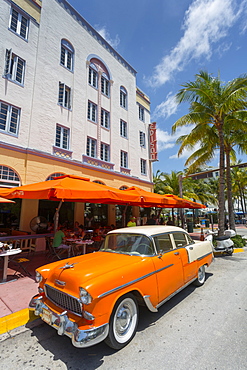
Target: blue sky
pixel 168 42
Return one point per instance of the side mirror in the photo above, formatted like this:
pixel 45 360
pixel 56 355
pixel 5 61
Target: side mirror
pixel 161 252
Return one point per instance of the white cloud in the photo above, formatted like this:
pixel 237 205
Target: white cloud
pixel 166 108
pixel 206 22
pixel 105 34
pixel 166 140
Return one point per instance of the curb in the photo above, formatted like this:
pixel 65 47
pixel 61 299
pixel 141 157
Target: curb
pixel 237 250
pixel 16 319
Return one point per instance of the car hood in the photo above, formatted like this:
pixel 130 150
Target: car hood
pixel 96 272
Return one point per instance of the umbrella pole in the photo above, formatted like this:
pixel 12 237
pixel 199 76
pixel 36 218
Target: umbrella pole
pixel 124 216
pixel 56 216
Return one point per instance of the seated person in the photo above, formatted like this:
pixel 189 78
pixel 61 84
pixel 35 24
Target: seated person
pixel 76 229
pixel 82 231
pixel 59 239
pixel 170 222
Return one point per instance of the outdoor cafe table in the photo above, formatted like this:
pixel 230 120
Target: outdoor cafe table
pixel 6 254
pixel 84 243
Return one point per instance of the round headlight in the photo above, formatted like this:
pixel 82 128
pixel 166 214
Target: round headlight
pixel 85 297
pixel 38 277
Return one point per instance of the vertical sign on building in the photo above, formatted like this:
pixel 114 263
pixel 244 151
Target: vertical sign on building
pixel 153 142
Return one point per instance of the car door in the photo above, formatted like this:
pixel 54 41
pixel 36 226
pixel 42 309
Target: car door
pixel 168 266
pixel 183 243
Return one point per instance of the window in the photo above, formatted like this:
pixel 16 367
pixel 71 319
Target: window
pixel 53 175
pixel 9 118
pixel 105 118
pixel 62 137
pixel 124 159
pixel 93 76
pixel 98 182
pixel 105 152
pixel 91 147
pixel 64 96
pixel 18 23
pixel 8 177
pixel 14 67
pixel 143 167
pixel 123 97
pixel 123 187
pixel 180 239
pixel 92 112
pixel 141 113
pixel 163 243
pixel 123 128
pixel 105 85
pixel 142 139
pixel 67 55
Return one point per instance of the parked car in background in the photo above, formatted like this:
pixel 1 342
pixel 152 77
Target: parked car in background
pixel 96 297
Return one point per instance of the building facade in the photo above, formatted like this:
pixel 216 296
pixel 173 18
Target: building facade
pixel 69 104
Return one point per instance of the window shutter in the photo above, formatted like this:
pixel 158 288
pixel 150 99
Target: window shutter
pixel 61 93
pixel 7 62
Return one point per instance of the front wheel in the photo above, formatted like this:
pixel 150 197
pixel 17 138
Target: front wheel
pixel 123 322
pixel 229 251
pixel 200 277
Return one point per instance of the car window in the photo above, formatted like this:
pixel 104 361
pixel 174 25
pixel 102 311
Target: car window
pixel 180 239
pixel 190 240
pixel 133 244
pixel 163 242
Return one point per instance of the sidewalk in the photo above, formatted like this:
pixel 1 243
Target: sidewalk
pixel 16 295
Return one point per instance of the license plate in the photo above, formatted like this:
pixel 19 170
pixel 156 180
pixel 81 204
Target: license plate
pixel 46 316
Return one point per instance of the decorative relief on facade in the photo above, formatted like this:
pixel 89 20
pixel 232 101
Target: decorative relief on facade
pixel 97 162
pixel 58 152
pixel 124 170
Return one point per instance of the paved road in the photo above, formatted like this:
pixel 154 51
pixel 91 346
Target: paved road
pixel 200 328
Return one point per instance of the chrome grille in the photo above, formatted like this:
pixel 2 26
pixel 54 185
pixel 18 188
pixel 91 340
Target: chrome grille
pixel 63 300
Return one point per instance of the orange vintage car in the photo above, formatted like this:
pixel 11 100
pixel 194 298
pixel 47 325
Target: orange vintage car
pixel 95 297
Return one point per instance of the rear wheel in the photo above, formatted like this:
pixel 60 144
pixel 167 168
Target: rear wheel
pixel 123 322
pixel 200 277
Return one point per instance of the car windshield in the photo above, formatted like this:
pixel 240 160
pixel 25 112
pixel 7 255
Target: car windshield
pixel 132 244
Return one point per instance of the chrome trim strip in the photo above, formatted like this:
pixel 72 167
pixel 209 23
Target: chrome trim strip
pixel 205 255
pixel 69 295
pixel 149 304
pixel 133 281
pixel 174 293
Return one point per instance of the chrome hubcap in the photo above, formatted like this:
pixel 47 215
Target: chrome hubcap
pixel 125 320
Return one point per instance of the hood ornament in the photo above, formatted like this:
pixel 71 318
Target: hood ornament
pixel 68 265
pixel 60 282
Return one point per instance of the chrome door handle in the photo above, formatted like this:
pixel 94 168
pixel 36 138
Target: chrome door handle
pixel 176 253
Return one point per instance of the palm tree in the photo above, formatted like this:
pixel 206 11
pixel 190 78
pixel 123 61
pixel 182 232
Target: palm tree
pixel 213 106
pixel 239 185
pixel 158 183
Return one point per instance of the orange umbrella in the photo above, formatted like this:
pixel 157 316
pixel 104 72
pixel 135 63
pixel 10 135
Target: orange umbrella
pixel 3 200
pixel 71 188
pixel 149 199
pixel 184 203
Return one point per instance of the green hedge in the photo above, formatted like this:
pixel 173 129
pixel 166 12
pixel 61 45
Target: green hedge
pixel 239 241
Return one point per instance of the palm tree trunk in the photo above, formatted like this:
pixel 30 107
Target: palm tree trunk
pixel 229 192
pixel 221 220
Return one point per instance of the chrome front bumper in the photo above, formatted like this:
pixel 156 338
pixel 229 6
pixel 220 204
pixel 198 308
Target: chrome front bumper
pixel 64 326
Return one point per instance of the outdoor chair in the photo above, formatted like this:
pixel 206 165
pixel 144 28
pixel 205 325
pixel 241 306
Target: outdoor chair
pixel 19 265
pixel 57 253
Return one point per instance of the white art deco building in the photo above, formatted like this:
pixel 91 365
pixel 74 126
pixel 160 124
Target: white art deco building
pixel 69 104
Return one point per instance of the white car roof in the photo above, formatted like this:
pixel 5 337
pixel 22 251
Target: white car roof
pixel 148 230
